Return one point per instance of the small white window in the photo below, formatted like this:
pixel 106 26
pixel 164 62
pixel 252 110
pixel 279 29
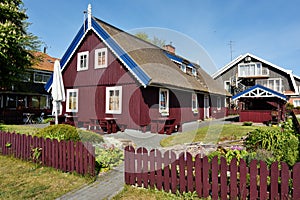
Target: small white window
pixel 72 100
pixel 164 101
pixel 114 100
pixel 194 103
pixel 194 72
pixel 183 67
pixel 219 103
pixel 100 58
pixel 82 61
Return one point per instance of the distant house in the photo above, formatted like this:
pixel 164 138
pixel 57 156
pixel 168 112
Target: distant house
pixel 110 73
pixel 248 72
pixel 28 95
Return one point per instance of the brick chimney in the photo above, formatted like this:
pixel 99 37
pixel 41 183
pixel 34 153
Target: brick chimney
pixel 170 48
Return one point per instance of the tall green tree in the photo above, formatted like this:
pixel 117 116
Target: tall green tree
pixel 156 41
pixel 16 43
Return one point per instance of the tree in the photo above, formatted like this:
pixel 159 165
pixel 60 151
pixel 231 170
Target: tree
pixel 156 41
pixel 16 43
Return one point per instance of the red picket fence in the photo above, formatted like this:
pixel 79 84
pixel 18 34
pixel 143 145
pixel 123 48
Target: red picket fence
pixel 67 156
pixel 216 178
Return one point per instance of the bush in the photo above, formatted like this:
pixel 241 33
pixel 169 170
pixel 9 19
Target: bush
pixel 247 124
pixel 67 132
pixel 89 136
pixel 282 144
pixel 107 157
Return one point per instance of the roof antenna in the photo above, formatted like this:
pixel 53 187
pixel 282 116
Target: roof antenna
pixel 231 50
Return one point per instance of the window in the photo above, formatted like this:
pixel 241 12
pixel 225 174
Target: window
pixel 296 102
pixel 252 69
pixel 72 100
pixel 274 84
pixel 164 101
pixel 194 103
pixel 41 78
pixel 227 86
pixel 219 103
pixel 82 61
pixel 100 58
pixel 114 100
pixel 183 67
pixel 194 71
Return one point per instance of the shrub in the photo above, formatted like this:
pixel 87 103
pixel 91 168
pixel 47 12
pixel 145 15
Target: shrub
pixel 107 157
pixel 89 136
pixel 289 106
pixel 229 154
pixel 282 144
pixel 67 132
pixel 247 124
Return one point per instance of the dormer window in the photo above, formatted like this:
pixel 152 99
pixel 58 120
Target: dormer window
pixel 183 67
pixel 194 72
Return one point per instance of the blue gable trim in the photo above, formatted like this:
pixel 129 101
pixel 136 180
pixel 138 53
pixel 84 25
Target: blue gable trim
pixel 144 78
pixel 277 94
pixel 69 51
pixel 138 72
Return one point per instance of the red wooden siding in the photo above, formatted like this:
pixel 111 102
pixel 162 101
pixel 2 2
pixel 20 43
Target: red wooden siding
pixel 139 105
pixel 64 155
pixel 255 115
pixel 217 179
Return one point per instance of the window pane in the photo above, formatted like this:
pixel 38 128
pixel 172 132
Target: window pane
pixel 35 102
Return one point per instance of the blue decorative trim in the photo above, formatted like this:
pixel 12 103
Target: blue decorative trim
pixel 281 96
pixel 69 52
pixel 144 78
pixel 173 57
pixel 140 74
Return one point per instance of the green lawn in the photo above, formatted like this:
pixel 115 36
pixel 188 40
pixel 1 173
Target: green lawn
pixel 210 134
pixel 23 129
pixel 25 180
pixel 131 192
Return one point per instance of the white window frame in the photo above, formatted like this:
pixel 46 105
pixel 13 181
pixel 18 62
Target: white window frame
pixel 219 103
pixel 268 85
pixel 164 110
pixel 79 55
pixel 45 77
pixel 97 51
pixel 68 100
pixel 183 67
pixel 114 88
pixel 258 69
pixel 296 102
pixel 194 71
pixel 194 109
pixel 225 86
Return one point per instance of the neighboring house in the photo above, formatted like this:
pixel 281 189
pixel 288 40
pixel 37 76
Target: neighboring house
pixel 110 73
pixel 28 95
pixel 248 70
pixel 272 84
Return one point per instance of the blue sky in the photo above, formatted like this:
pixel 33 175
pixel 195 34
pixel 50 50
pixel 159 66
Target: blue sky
pixel 269 29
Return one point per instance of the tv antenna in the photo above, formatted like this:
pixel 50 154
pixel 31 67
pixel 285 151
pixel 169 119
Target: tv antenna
pixel 231 48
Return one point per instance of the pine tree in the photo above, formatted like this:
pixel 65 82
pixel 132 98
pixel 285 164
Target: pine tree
pixel 16 44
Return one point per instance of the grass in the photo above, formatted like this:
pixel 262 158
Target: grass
pixel 23 129
pixel 210 134
pixel 24 180
pixel 131 192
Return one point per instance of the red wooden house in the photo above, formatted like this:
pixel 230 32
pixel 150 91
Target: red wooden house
pixel 110 73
